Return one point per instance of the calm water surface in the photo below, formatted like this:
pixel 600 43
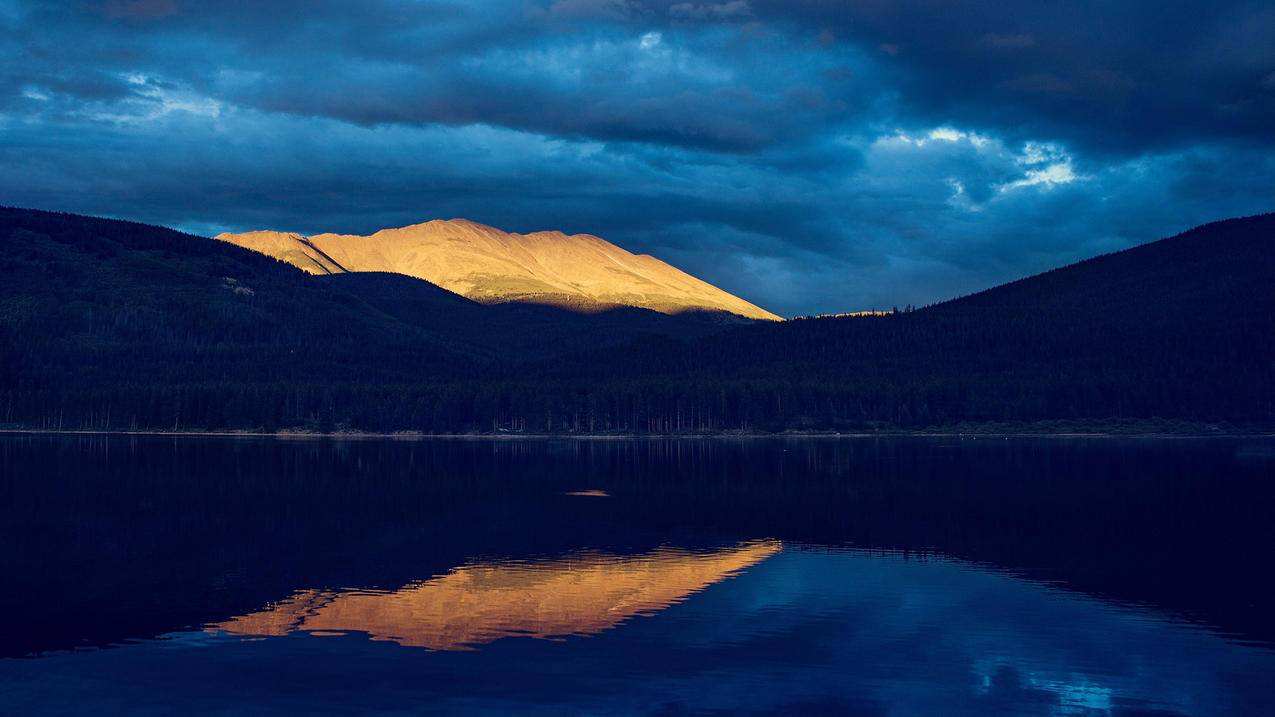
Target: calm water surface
pixel 820 576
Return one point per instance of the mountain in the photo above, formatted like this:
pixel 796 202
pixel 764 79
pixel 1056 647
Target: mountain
pixel 103 306
pixel 97 315
pixel 517 332
pixel 1182 327
pixel 110 324
pixel 481 603
pixel 488 265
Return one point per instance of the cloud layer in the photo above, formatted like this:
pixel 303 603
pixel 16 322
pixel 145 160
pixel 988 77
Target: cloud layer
pixel 810 156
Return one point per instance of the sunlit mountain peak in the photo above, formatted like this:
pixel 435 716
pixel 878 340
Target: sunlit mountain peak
pixel 579 271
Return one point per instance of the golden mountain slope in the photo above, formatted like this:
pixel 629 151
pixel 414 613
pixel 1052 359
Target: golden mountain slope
pixel 488 265
pixel 477 604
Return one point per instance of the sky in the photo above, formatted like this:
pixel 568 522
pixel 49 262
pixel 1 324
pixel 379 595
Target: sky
pixel 808 155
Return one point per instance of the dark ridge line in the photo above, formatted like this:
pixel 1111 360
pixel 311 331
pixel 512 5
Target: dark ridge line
pixel 306 241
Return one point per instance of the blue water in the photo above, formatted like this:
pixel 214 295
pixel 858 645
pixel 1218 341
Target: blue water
pixel 820 576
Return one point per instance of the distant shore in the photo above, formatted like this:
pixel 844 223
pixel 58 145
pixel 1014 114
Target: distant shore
pixel 989 430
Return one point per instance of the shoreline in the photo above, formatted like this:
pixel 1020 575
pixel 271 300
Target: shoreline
pixel 415 436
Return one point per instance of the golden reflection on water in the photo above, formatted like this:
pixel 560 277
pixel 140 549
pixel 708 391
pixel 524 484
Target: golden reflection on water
pixel 476 604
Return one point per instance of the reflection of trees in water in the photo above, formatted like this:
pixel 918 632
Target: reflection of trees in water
pixel 173 533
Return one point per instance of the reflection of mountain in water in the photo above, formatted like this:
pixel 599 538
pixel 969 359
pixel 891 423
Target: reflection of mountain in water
pixel 229 526
pixel 476 604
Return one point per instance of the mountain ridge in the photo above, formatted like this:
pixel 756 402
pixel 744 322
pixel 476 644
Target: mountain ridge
pixel 579 271
pixel 107 324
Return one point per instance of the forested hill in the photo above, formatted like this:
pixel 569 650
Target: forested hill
pixel 108 324
pixel 514 332
pixel 1183 327
pixel 1204 295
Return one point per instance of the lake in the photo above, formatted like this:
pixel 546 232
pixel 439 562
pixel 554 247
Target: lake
pixel 905 576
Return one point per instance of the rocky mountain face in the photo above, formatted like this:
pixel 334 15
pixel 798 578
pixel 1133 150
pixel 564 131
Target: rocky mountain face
pixel 579 271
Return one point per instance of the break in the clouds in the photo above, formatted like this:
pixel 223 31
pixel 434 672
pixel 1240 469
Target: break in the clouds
pixel 810 156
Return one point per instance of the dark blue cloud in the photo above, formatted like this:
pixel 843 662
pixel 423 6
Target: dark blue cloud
pixel 811 156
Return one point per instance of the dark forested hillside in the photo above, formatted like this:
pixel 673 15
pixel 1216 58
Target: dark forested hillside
pixel 108 324
pixel 1179 328
pixel 120 324
pixel 518 332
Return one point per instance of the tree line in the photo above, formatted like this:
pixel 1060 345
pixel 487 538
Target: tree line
pixel 121 326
